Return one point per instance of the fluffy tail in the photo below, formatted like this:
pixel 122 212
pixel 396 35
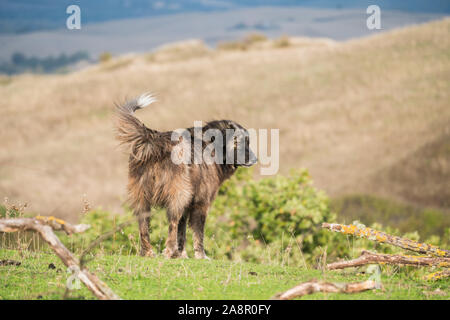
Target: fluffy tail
pixel 130 130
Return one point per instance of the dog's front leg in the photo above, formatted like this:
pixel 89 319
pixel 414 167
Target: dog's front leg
pixel 182 237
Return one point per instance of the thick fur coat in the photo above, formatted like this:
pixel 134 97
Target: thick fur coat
pixel 186 190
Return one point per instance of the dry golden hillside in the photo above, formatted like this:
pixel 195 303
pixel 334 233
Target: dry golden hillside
pixel 349 112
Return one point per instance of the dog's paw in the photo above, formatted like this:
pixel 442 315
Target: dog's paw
pixel 147 253
pixel 171 254
pixel 184 255
pixel 201 255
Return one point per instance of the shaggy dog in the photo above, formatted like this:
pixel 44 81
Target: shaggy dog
pixel 185 189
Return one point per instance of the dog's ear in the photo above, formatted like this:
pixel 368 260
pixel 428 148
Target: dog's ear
pixel 234 126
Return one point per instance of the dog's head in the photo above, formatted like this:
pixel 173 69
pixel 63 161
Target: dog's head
pixel 237 146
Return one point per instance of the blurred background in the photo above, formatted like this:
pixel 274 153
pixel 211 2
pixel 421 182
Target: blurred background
pixel 366 112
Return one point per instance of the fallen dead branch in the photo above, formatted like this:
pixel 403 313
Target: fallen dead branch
pixel 368 257
pixel 313 286
pixel 382 237
pixel 16 224
pixel 45 226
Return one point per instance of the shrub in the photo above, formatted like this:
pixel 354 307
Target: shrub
pixel 282 42
pixel 274 207
pixel 232 45
pixel 105 57
pixel 255 37
pixel 179 51
pixel 243 44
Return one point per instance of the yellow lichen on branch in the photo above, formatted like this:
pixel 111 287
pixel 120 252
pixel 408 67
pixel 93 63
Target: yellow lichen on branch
pixel 59 224
pixel 50 218
pixel 382 237
pixel 438 275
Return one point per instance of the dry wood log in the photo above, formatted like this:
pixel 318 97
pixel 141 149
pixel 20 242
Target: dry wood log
pixel 382 237
pixel 45 226
pixel 313 286
pixel 368 257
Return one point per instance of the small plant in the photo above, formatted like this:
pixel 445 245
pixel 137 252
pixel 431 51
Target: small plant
pixel 255 37
pixel 232 45
pixel 117 64
pixel 105 57
pixel 19 240
pixel 282 42
pixel 243 44
pixel 179 51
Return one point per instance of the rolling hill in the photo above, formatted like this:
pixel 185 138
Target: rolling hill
pixel 364 116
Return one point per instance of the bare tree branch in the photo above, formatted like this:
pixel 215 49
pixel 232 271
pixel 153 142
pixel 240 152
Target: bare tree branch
pixel 313 286
pixel 45 226
pixel 382 237
pixel 368 257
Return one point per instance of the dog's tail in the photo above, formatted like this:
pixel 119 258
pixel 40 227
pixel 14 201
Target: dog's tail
pixel 130 130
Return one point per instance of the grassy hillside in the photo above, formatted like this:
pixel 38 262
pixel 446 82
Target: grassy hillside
pixel 346 111
pixel 423 176
pixel 43 276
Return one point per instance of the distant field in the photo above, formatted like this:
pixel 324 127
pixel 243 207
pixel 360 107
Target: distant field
pixel 133 277
pixel 359 115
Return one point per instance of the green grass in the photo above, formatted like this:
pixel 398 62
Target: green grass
pixel 133 277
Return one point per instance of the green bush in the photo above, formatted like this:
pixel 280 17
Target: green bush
pixel 282 42
pixel 275 211
pixel 255 37
pixel 105 57
pixel 232 45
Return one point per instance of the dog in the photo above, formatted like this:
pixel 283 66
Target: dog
pixel 186 190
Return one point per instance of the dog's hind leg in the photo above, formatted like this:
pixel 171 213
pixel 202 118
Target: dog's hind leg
pixel 181 239
pixel 144 232
pixel 197 221
pixel 174 217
